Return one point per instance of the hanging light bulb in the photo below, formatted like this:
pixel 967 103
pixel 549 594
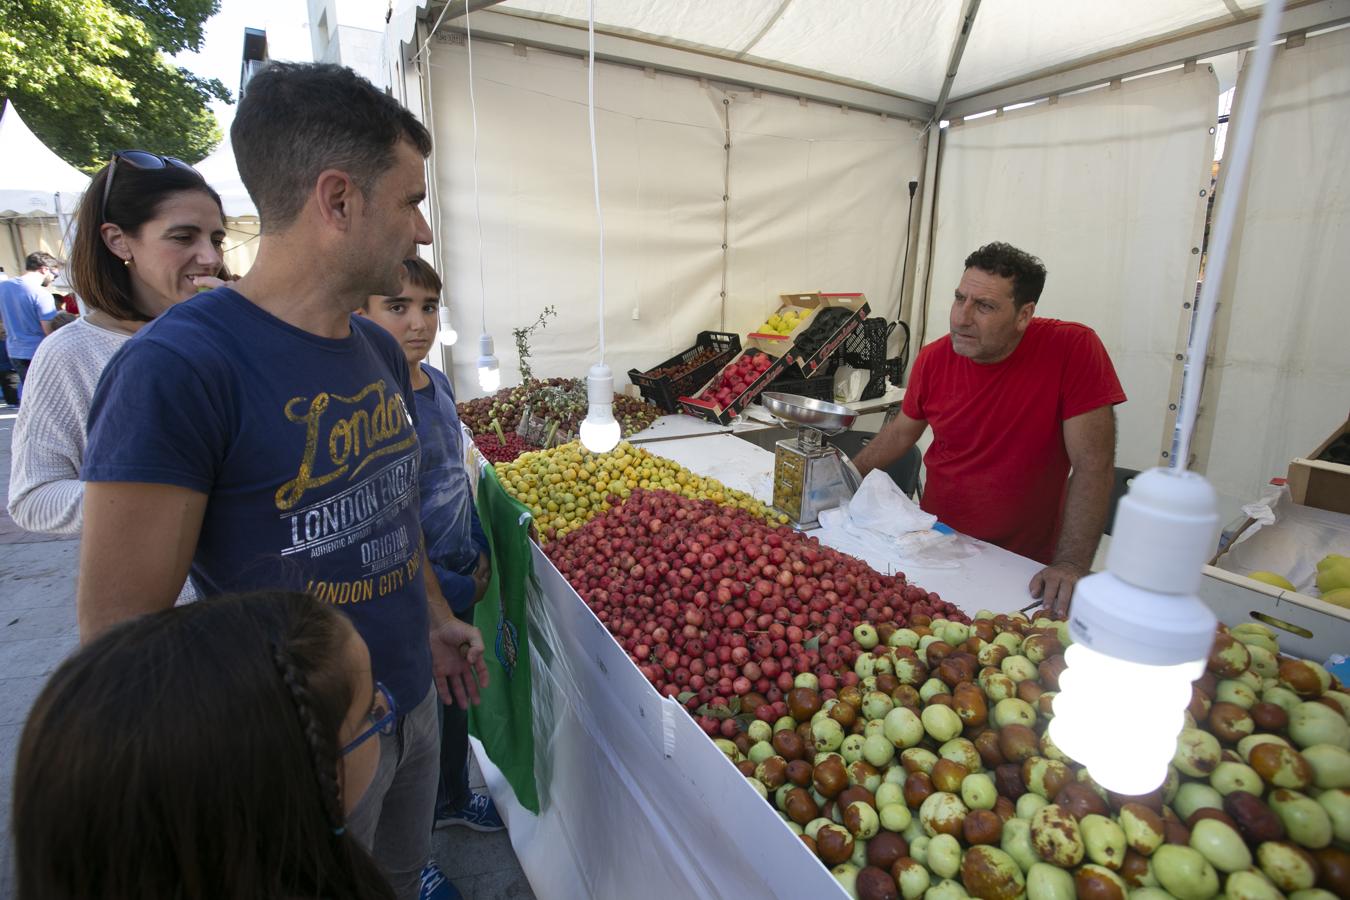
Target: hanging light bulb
pixel 1141 635
pixel 447 334
pixel 489 370
pixel 599 432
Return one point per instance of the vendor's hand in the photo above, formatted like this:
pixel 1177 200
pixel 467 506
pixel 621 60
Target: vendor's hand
pixel 481 576
pixel 457 662
pixel 1054 585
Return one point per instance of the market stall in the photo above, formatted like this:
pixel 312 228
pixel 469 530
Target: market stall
pixel 633 791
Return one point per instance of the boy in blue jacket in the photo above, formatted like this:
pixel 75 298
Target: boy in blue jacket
pixel 456 544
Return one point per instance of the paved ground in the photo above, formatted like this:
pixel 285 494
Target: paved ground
pixel 37 630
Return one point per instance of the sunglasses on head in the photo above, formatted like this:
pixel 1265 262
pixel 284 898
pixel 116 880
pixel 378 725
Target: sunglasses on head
pixel 140 159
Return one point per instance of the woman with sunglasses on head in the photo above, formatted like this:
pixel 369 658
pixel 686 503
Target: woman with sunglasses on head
pixel 149 235
pixel 207 751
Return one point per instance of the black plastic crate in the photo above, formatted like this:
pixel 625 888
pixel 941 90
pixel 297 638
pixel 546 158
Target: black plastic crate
pixel 819 386
pixel 665 391
pixel 866 349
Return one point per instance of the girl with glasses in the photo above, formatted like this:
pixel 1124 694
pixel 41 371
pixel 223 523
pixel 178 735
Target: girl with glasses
pixel 149 235
pixel 207 751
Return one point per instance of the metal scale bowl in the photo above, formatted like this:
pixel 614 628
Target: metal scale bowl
pixel 810 476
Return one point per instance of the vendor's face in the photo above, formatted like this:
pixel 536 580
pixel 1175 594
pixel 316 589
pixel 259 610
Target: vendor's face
pixel 358 767
pixel 985 324
pixel 412 317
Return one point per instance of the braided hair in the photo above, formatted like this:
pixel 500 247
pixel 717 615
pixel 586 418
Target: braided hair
pixel 323 750
pixel 190 743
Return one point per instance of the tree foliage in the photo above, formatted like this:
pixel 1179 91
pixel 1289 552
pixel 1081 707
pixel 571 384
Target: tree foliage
pixel 91 76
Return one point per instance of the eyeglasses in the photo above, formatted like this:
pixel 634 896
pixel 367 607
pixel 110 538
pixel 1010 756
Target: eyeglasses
pixel 382 716
pixel 140 159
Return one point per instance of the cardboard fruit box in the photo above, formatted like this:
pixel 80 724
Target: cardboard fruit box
pixel 1321 480
pixel 805 304
pixel 722 415
pixel 810 358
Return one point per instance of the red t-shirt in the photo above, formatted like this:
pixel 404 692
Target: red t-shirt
pixel 998 469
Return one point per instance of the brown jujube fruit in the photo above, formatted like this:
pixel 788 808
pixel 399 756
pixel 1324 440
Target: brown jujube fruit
pixel 917 788
pixel 1209 812
pixel 799 772
pixel 982 826
pixel 985 879
pixel 746 768
pixel 856 793
pixel 803 703
pixel 968 701
pixel 947 775
pixel 1050 669
pixel 1333 870
pixel 804 732
pixel 1091 885
pixel 1005 808
pixel 1230 723
pixel 1018 743
pixel 886 682
pixel 937 652
pixel 875 884
pixel 788 744
pixel 810 842
pixel 1152 800
pixel 1276 761
pixel 1199 705
pixel 907 695
pixel 1079 800
pixel 951 672
pixel 990 754
pixel 1133 868
pixel 941 700
pixel 1008 780
pixel 1176 833
pixel 984 630
pixel 1207 684
pixel 1301 678
pixel 742 742
pixel 1029 691
pixel 800 807
pixel 1256 821
pixel 843 713
pixel 885 848
pixel 834 845
pixel 851 695
pixel 829 778
pixel 884 632
pixel 1269 717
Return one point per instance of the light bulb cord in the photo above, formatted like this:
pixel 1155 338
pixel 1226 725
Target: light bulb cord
pixel 595 161
pixel 1235 180
pixel 477 206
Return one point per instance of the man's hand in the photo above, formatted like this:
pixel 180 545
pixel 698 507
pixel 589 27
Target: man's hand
pixel 481 576
pixel 457 662
pixel 1054 585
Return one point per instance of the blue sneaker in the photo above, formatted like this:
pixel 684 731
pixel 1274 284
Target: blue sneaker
pixel 480 814
pixel 435 886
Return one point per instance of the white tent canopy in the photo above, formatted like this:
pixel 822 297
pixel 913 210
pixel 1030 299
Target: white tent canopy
pixel 222 173
pixel 33 179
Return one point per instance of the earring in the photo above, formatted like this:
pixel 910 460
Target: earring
pixel 127 262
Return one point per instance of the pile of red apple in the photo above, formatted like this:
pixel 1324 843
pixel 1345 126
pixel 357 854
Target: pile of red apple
pixel 722 610
pixel 733 381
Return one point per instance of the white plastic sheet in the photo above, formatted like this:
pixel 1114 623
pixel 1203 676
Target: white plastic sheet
pixel 1105 188
pixel 1283 380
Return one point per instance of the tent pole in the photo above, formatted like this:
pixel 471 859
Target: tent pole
pixel 954 61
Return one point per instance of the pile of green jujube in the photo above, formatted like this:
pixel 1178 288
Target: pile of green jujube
pixel 935 775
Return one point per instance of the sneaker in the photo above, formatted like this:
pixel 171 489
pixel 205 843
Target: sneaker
pixel 480 814
pixel 435 886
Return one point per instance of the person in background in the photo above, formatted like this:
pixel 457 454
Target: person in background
pixel 233 777
pixel 28 309
pixel 9 377
pixel 263 436
pixel 149 236
pixel 457 547
pixel 1015 403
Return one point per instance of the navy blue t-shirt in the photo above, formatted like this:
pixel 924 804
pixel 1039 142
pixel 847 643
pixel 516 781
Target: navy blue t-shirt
pixel 306 449
pixel 454 535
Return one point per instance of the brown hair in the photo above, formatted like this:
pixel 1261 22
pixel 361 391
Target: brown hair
pixel 419 272
pixel 96 273
pixel 193 753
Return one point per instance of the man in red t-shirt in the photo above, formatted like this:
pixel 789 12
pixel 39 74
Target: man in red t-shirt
pixel 1015 403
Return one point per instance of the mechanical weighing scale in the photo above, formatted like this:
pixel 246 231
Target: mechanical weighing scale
pixel 810 476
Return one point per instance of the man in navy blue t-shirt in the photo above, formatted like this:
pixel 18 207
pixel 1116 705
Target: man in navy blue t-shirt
pixel 263 437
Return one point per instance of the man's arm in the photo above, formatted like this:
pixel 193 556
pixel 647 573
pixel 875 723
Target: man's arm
pixel 48 325
pixel 137 548
pixel 457 663
pixel 891 443
pixel 1090 440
